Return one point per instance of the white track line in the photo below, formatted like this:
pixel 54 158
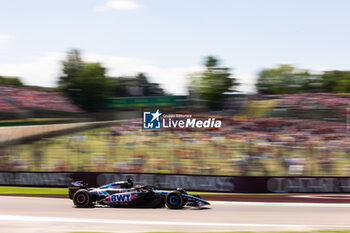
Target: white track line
pixel 22 218
pixel 280 204
pixel 325 196
pixel 234 203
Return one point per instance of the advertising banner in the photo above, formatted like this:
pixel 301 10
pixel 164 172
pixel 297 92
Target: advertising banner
pixel 233 184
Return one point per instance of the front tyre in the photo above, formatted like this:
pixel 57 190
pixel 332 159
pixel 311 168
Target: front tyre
pixel 174 200
pixel 82 199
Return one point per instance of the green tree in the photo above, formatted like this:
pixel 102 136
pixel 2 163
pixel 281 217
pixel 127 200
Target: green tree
pixel 70 67
pixel 148 88
pixel 121 86
pixel 287 79
pixel 336 81
pixel 210 85
pixel 10 81
pixel 85 83
pixel 90 86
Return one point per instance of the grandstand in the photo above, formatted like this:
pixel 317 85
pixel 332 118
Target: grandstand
pixel 15 99
pixel 306 106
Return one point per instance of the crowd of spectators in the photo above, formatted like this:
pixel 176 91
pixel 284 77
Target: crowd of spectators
pixel 314 100
pixel 6 106
pixel 261 146
pixel 290 126
pixel 321 106
pixel 16 99
pixel 242 146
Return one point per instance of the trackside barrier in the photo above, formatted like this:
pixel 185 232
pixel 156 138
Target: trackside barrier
pixel 18 134
pixel 237 184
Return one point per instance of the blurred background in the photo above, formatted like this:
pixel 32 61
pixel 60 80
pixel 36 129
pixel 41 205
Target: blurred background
pixel 76 104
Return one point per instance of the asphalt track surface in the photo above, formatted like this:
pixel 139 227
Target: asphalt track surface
pixel 32 214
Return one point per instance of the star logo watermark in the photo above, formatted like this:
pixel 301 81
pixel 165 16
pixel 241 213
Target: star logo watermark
pixel 152 120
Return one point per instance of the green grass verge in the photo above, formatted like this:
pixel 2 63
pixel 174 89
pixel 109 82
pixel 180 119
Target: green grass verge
pixel 35 190
pixel 259 108
pixel 31 190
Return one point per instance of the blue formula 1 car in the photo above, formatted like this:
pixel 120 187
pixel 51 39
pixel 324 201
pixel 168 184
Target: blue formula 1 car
pixel 125 194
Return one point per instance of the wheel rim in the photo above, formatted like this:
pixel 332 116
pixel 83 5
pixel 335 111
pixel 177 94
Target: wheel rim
pixel 81 198
pixel 174 200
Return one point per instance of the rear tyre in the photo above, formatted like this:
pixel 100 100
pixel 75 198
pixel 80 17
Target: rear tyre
pixel 82 199
pixel 174 200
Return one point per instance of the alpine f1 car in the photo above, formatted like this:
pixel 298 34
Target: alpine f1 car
pixel 125 194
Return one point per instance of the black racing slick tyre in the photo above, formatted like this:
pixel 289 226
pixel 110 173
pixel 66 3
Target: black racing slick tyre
pixel 174 200
pixel 82 199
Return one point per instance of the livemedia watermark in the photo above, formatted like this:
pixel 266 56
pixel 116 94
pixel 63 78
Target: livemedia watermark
pixel 157 120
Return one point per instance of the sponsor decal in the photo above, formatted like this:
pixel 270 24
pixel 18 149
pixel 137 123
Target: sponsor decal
pixel 123 197
pixel 308 185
